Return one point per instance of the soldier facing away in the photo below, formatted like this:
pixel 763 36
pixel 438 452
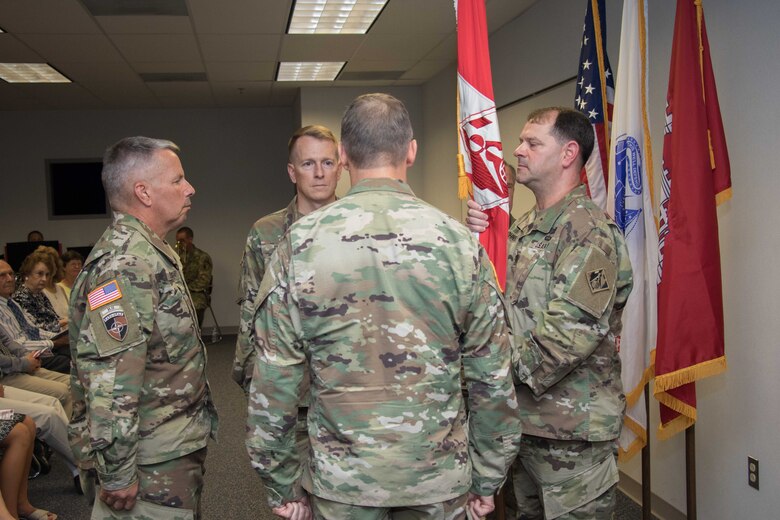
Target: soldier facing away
pixel 144 412
pixel 386 300
pixel 568 280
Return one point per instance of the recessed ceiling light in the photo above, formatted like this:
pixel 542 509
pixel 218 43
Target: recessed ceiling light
pixel 334 16
pixel 30 73
pixel 309 70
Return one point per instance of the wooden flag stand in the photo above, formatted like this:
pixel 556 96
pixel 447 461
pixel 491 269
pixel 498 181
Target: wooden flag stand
pixel 647 512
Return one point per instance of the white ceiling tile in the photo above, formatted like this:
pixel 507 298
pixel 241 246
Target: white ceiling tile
pixel 381 47
pixel 160 67
pixel 47 16
pixel 435 17
pixel 180 88
pixel 157 47
pixel 446 50
pixel 240 47
pixel 219 71
pixel 320 47
pixel 145 24
pixel 14 51
pixel 362 66
pixel 240 16
pixel 64 95
pixel 84 71
pixel 93 48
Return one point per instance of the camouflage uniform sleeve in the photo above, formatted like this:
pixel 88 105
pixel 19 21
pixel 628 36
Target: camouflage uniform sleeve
pixel 576 318
pixel 252 270
pixel 494 416
pixel 273 393
pixel 112 373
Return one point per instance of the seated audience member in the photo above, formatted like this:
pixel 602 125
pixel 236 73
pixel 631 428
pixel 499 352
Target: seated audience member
pixel 17 437
pixel 15 325
pixel 22 369
pixel 29 295
pixel 53 291
pixel 50 421
pixel 35 236
pixel 73 262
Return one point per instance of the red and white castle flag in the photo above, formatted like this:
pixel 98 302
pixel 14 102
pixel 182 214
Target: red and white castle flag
pixel 481 161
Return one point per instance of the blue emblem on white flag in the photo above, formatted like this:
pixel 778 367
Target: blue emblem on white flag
pixel 628 174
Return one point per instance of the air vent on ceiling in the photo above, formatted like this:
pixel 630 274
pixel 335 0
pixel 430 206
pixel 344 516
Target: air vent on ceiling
pixel 370 75
pixel 137 7
pixel 162 77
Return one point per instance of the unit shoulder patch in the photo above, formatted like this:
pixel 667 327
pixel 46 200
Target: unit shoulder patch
pixel 592 288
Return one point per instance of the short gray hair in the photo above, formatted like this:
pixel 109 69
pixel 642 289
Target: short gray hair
pixel 376 131
pixel 124 158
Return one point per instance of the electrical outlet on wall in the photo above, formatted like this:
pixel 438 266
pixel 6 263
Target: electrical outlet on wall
pixel 753 472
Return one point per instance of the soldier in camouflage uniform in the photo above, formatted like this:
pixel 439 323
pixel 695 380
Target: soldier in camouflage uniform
pixel 568 280
pixel 386 300
pixel 145 413
pixel 197 267
pixel 315 170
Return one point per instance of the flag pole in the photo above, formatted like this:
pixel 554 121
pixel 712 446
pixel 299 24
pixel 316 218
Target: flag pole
pixel 690 471
pixel 647 502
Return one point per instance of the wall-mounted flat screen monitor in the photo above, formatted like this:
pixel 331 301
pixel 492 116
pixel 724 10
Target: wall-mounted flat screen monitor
pixel 75 189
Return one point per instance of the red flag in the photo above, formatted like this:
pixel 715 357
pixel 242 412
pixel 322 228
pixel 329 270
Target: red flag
pixel 696 177
pixel 481 158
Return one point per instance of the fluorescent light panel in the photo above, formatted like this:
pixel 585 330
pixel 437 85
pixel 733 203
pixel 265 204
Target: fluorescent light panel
pixel 309 70
pixel 30 73
pixel 334 16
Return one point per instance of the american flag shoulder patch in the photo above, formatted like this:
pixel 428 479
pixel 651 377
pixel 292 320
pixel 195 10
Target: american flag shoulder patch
pixel 104 294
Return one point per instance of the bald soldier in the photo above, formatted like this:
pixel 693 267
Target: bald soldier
pixel 386 300
pixel 144 411
pixel 568 280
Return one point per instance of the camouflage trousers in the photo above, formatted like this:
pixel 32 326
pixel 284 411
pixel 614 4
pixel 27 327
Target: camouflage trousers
pixel 454 509
pixel 567 480
pixel 169 490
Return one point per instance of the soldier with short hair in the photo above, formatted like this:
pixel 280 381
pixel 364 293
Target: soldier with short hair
pixel 197 267
pixel 568 280
pixel 313 166
pixel 387 301
pixel 144 412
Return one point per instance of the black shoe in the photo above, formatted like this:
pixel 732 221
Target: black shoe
pixel 40 452
pixel 77 485
pixel 35 468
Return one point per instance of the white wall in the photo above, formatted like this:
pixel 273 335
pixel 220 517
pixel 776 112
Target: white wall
pixel 235 159
pixel 736 415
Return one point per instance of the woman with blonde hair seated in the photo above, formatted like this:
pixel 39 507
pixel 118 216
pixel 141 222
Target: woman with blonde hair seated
pixel 73 262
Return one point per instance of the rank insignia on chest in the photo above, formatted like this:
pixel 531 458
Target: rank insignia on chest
pixel 597 281
pixel 115 322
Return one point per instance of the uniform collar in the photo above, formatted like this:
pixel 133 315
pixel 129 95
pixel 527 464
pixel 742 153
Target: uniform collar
pixel 545 219
pixel 129 221
pixel 382 184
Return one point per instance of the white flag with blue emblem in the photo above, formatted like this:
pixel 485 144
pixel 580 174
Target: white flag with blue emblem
pixel 630 203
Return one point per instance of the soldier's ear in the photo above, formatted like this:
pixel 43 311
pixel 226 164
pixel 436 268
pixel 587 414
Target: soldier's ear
pixel 411 153
pixel 570 152
pixel 291 172
pixel 141 192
